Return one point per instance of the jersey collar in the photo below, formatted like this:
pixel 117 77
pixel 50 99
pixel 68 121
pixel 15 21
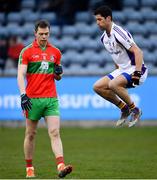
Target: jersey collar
pixel 105 34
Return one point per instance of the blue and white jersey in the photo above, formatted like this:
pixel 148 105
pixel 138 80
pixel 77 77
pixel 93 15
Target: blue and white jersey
pixel 117 44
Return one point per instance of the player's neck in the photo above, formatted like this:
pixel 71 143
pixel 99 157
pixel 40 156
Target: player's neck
pixel 108 29
pixel 42 45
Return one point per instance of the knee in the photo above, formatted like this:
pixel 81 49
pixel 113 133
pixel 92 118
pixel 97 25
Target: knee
pixel 30 135
pixel 53 133
pixel 96 88
pixel 101 89
pixel 112 85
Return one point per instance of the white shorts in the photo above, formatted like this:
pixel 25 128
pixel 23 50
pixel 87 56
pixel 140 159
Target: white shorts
pixel 127 74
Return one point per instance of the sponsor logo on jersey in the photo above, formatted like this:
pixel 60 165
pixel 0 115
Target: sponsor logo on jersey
pixel 35 56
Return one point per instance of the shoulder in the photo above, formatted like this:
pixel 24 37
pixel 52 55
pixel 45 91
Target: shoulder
pixel 121 32
pixel 26 49
pixel 55 49
pixel 116 28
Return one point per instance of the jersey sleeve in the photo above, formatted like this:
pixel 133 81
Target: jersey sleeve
pixel 23 57
pixel 123 37
pixel 58 57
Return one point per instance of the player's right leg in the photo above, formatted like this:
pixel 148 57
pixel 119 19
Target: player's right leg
pixel 29 146
pixel 101 88
pixel 32 117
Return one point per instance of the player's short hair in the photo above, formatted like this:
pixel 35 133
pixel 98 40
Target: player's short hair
pixel 41 24
pixel 104 11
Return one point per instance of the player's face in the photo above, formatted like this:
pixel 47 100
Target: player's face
pixel 101 22
pixel 42 35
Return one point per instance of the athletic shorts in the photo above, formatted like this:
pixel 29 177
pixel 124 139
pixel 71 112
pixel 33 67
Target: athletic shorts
pixel 42 107
pixel 127 74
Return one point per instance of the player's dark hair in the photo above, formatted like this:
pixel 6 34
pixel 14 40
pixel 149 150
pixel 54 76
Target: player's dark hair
pixel 41 24
pixel 104 11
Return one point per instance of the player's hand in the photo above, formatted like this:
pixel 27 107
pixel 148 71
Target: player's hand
pixel 58 70
pixel 26 102
pixel 135 78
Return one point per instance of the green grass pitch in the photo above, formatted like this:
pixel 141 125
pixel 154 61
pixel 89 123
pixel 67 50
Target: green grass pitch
pixel 95 153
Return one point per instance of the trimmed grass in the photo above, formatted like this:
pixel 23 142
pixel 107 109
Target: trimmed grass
pixel 96 153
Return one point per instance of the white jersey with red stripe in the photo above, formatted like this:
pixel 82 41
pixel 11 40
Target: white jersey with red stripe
pixel 118 44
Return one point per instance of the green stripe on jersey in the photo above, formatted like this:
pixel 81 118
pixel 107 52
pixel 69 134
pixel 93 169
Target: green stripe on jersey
pixel 21 53
pixel 40 67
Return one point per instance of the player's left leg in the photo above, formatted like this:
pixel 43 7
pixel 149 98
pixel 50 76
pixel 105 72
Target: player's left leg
pixel 118 85
pixel 53 123
pixel 101 87
pixel 136 112
pixel 135 116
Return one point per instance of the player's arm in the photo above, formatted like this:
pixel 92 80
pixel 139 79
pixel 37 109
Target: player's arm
pixel 136 75
pixel 138 56
pixel 58 71
pixel 126 40
pixel 129 44
pixel 25 100
pixel 22 69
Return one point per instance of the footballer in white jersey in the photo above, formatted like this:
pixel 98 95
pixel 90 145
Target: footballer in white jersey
pixel 130 72
pixel 118 44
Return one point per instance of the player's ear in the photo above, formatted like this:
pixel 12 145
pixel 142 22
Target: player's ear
pixel 35 34
pixel 108 18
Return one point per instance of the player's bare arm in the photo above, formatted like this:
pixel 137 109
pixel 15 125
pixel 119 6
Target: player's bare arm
pixel 22 69
pixel 138 56
pixel 25 100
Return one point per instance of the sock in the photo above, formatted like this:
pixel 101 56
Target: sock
pixel 132 106
pixel 29 163
pixel 121 105
pixel 60 162
pixel 125 108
